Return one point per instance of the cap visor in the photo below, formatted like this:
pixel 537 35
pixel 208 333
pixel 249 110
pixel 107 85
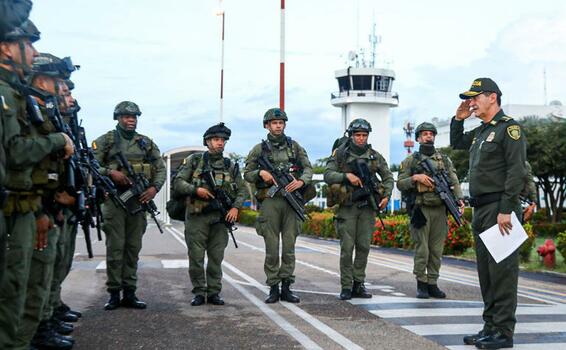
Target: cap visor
pixel 469 94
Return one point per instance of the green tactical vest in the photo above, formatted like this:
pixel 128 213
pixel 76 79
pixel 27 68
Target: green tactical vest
pixel 426 196
pixel 141 161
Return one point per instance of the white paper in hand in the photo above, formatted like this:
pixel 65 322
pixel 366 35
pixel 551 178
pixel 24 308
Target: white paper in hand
pixel 501 246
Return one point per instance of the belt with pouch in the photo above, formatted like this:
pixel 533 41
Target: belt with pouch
pixel 484 199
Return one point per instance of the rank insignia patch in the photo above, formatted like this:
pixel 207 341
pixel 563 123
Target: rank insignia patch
pixel 491 136
pixel 514 132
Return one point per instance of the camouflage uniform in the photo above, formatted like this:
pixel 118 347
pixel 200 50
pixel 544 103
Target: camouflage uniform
pixel 429 239
pixel 276 217
pixel 205 230
pixel 497 176
pixel 355 219
pixel 26 147
pixel 123 230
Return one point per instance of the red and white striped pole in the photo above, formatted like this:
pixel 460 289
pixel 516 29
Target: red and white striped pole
pixel 223 14
pixel 282 60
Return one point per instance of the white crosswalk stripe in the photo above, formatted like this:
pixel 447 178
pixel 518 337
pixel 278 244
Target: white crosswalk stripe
pixel 540 326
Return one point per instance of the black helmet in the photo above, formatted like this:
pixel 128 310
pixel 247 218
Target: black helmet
pixel 425 127
pixel 358 124
pixel 274 114
pixel 126 108
pixel 27 30
pixel 218 130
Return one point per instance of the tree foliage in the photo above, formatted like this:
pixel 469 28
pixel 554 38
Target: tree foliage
pixel 460 159
pixel 545 151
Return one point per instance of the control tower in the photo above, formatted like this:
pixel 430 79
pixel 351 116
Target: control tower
pixel 364 91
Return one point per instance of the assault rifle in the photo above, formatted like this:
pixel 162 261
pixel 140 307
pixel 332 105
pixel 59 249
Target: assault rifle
pixel 368 193
pixel 282 179
pixel 139 184
pixel 442 188
pixel 221 201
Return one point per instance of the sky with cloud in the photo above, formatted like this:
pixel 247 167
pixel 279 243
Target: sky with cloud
pixel 166 57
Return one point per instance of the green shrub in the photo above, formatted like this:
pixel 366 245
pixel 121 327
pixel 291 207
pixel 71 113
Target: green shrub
pixel 393 233
pixel 561 243
pixel 320 225
pixel 547 230
pixel 527 246
pixel 459 238
pixel 247 217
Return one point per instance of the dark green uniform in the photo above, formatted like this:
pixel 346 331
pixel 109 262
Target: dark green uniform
pixel 24 148
pixel 497 176
pixel 355 220
pixel 124 231
pixel 429 239
pixel 276 217
pixel 205 232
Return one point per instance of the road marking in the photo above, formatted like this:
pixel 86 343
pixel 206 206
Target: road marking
pixel 320 326
pixel 175 264
pixel 101 265
pixel 302 338
pixel 538 346
pixel 393 313
pixel 471 328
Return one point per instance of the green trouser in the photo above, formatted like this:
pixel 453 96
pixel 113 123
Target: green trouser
pixel 3 242
pixel 354 227
pixel 124 233
pixel 204 233
pixel 39 283
pixel 277 218
pixel 21 229
pixel 63 262
pixel 498 282
pixel 429 243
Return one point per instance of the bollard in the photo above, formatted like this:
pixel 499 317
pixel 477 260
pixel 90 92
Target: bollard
pixel 547 251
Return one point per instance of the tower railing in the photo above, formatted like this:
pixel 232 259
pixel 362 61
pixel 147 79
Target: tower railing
pixel 362 93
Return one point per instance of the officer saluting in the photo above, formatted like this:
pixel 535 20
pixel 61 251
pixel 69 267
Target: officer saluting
pixel 124 230
pixel 429 222
pixel 358 203
pixel 497 176
pixel 205 229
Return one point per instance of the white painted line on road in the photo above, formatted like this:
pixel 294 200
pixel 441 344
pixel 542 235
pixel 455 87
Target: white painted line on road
pixel 471 328
pixel 315 292
pixel 322 327
pixel 302 338
pixel 385 299
pixel 537 346
pixel 101 265
pixel 469 311
pixel 175 264
pixel 398 294
pixel 173 233
pixel 377 286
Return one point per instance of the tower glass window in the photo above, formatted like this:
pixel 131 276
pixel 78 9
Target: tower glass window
pixel 362 82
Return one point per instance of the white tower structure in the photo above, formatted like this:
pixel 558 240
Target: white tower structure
pixel 364 91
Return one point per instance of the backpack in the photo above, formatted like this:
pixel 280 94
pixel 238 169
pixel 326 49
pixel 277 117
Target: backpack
pixel 176 206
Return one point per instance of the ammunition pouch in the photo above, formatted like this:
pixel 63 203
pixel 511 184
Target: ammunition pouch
pixel 196 206
pixel 338 194
pixel 308 192
pixel 22 202
pixel 261 194
pixel 176 208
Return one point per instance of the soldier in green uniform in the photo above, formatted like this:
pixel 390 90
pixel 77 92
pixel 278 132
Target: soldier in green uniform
pixel 48 179
pixel 355 216
pixel 497 176
pixel 276 217
pixel 529 194
pixel 429 221
pixel 26 146
pixel 124 231
pixel 205 229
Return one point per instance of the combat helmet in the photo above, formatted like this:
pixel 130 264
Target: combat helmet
pixel 126 108
pixel 425 127
pixel 218 130
pixel 27 30
pixel 53 66
pixel 358 124
pixel 274 114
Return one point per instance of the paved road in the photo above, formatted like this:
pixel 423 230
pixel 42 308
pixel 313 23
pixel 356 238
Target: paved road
pixel 392 319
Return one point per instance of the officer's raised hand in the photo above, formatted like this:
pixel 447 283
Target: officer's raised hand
pixel 463 111
pixel 232 215
pixel 69 148
pixel 423 179
pixel 354 180
pixel 267 177
pixel 119 178
pixel 43 224
pixel 204 193
pixel 148 194
pixel 294 185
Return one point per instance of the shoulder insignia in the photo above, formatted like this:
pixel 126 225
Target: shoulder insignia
pixel 94 145
pixel 506 118
pixel 493 122
pixel 185 161
pixel 514 132
pixel 4 105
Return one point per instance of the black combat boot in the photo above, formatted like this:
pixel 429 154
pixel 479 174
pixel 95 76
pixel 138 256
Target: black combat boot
pixel 130 300
pixel 496 340
pixel 359 291
pixel 46 338
pixel 65 308
pixel 286 293
pixel 65 316
pixel 473 338
pixel 422 290
pixel 114 301
pixel 60 327
pixel 274 294
pixel 215 299
pixel 435 292
pixel 345 294
pixel 198 300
